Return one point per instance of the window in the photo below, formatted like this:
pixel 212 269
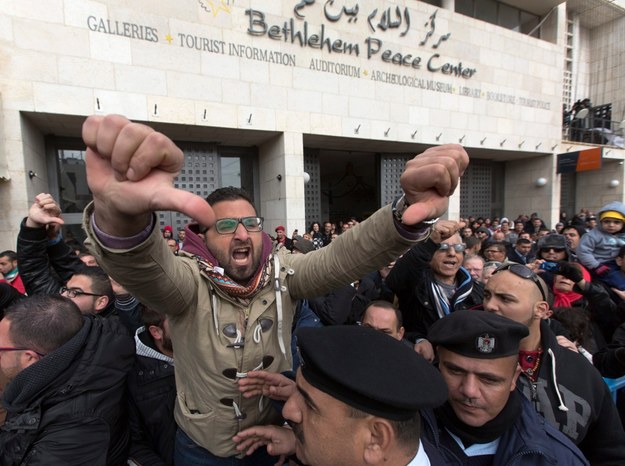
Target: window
pixel 529 23
pixel 75 194
pixel 206 167
pixel 499 13
pixel 464 7
pixel 509 17
pixel 486 10
pixel 231 171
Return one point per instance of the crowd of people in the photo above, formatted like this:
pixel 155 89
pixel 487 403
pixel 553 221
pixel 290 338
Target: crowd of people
pixel 400 340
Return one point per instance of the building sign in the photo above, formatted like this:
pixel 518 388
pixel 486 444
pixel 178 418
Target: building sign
pixel 580 161
pixel 370 37
pixel 298 31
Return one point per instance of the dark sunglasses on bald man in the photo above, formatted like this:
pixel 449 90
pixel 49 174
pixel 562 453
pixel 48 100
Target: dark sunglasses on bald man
pixel 524 272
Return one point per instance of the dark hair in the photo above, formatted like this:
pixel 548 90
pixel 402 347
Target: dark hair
pixel 229 193
pixel 575 320
pixel 471 242
pixel 386 305
pixel 100 281
pixel 43 322
pixel 408 432
pixel 11 255
pixel 580 231
pixel 150 317
pixel 500 245
pixel 523 241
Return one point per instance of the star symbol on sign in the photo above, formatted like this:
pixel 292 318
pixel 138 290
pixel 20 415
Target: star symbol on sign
pixel 209 5
pixel 169 38
pixel 365 72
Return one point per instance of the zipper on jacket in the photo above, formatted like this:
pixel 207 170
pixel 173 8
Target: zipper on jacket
pixel 66 389
pixel 523 453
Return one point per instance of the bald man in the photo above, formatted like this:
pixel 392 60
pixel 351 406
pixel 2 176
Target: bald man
pixel 562 385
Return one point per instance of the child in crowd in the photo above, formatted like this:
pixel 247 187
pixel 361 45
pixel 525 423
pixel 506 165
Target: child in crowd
pixel 598 248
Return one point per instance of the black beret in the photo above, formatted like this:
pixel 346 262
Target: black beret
pixel 478 334
pixel 370 371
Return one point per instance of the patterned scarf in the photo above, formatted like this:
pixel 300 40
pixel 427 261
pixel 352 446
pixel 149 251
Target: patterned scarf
pixel 443 304
pixel 10 276
pixel 238 292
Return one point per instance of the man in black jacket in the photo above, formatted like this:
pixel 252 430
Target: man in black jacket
pixel 561 384
pixel 65 397
pixel 429 282
pixel 152 392
pixel 47 262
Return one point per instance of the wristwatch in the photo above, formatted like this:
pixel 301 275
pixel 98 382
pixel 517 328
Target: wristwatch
pixel 400 206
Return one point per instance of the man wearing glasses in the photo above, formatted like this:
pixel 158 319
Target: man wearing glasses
pixel 230 300
pixel 561 384
pixel 91 291
pixel 65 399
pixel 430 283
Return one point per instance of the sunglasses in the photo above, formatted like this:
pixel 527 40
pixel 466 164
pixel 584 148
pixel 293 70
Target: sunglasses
pixel 552 249
pixel 524 272
pixel 447 247
pixel 227 226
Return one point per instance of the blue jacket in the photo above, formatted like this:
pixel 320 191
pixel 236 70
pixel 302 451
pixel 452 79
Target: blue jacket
pixel 597 246
pixel 529 442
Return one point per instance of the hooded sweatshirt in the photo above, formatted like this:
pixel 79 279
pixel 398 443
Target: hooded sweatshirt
pixel 597 246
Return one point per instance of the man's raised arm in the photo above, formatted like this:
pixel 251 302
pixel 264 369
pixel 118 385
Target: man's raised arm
pixel 130 171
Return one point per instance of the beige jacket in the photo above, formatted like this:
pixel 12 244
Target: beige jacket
pixel 209 407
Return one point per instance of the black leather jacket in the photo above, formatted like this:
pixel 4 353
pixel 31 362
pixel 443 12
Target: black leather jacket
pixel 44 268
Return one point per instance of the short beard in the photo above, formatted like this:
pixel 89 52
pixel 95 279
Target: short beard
pixel 167 344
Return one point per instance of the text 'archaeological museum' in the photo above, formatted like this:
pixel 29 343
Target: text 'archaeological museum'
pixel 314 106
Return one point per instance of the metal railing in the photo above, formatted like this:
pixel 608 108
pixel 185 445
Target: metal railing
pixel 592 128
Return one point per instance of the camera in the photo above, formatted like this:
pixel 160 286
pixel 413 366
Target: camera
pixel 550 266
